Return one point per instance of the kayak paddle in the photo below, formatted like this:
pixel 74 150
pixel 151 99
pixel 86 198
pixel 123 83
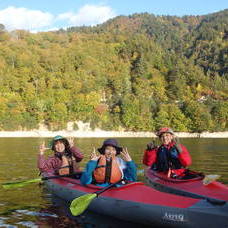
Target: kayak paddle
pixel 22 183
pixel 80 204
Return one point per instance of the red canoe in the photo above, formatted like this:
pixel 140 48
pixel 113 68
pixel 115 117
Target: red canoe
pixel 188 187
pixel 141 204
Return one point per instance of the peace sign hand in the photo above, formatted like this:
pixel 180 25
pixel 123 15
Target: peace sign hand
pixel 71 141
pixel 93 155
pixel 43 148
pixel 125 155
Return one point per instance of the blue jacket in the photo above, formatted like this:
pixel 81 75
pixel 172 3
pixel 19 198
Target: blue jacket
pixel 129 172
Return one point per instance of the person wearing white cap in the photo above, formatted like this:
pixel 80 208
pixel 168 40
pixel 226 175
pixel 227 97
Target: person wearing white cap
pixel 170 156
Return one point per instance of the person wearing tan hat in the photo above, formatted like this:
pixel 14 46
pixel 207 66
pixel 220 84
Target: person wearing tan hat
pixel 107 167
pixel 170 156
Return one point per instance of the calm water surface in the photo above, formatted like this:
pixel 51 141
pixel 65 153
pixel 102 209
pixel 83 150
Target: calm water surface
pixel 33 206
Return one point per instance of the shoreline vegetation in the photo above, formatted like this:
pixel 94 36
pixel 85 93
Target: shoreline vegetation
pixel 97 133
pixel 132 73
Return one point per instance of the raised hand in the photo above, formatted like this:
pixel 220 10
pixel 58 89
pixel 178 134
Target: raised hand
pixel 93 155
pixel 125 155
pixel 151 146
pixel 71 141
pixel 177 144
pixel 176 139
pixel 43 148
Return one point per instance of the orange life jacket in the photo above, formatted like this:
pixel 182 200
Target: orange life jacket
pixel 69 165
pixel 100 173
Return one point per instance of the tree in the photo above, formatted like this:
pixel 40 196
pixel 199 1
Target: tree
pixel 171 115
pixel 199 115
pixel 220 115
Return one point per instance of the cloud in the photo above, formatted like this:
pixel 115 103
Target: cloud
pixel 22 18
pixel 88 15
pixel 48 29
pixel 35 20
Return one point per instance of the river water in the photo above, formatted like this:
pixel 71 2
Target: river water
pixel 33 206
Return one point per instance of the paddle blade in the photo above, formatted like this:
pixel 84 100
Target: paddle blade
pixel 19 184
pixel 210 178
pixel 79 205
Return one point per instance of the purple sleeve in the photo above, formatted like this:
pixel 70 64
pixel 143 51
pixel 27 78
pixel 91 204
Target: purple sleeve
pixel 51 164
pixel 77 153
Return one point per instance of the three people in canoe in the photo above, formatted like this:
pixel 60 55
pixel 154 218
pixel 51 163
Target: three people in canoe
pixel 108 167
pixel 170 156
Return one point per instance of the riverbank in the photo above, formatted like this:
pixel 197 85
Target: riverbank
pixel 104 134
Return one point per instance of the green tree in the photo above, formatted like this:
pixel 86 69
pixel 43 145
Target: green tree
pixel 199 115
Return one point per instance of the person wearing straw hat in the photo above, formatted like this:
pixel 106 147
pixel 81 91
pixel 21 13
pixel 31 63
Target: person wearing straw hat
pixel 65 160
pixel 107 167
pixel 170 156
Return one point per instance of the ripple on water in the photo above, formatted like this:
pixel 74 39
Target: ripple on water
pixel 27 224
pixel 35 213
pixel 3 223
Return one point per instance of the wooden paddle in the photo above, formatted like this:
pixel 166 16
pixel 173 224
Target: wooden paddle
pixel 23 183
pixel 80 204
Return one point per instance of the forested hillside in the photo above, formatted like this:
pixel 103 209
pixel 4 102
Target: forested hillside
pixel 135 72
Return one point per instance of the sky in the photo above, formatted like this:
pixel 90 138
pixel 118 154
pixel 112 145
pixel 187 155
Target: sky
pixel 48 15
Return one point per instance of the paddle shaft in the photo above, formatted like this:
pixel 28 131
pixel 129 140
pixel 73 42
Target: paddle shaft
pixel 79 204
pixel 37 180
pixel 59 176
pixel 108 187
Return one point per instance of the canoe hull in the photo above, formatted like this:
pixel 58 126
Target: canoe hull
pixel 190 188
pixel 197 214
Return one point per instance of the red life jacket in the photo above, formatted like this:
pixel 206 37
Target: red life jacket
pixel 107 172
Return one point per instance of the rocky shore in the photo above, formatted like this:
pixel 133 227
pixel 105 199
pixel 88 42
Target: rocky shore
pixel 84 131
pixel 105 134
